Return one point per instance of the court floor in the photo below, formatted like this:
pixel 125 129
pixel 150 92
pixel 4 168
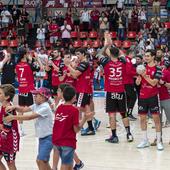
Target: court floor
pixel 99 155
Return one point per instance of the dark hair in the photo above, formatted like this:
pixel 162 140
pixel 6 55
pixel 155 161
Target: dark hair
pixel 139 56
pixel 69 93
pixel 22 52
pixel 81 50
pixel 114 51
pixel 152 52
pixel 63 86
pixel 8 90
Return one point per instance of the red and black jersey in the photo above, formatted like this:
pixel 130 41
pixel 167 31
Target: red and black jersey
pixel 25 77
pixel 83 83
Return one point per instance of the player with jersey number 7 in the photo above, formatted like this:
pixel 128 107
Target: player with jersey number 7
pixel 114 65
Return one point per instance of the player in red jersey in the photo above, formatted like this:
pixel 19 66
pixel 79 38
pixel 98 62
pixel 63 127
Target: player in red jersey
pixel 83 84
pixel 24 72
pixel 114 69
pixel 9 135
pixel 148 99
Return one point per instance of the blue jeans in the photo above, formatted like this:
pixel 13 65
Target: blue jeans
pixel 121 33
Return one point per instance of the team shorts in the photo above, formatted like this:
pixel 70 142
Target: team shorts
pixel 25 99
pixel 116 102
pixel 8 156
pixel 83 99
pixel 45 147
pixel 66 154
pixel 149 105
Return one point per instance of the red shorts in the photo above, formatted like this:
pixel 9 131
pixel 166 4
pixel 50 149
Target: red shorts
pixel 8 156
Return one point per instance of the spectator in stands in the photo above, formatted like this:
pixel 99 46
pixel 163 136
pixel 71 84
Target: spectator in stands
pixel 120 4
pixel 6 16
pixel 121 26
pixel 76 19
pixel 103 24
pixel 25 15
pixel 41 35
pixel 38 4
pixel 156 7
pixel 59 18
pixel 113 19
pixel 85 18
pixel 68 17
pixel 95 14
pixel 65 34
pixel 142 17
pixel 154 31
pixel 15 14
pixel 1 6
pixel 134 19
pixel 21 30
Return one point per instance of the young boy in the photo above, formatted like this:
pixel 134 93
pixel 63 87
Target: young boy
pixel 9 135
pixel 41 111
pixel 66 126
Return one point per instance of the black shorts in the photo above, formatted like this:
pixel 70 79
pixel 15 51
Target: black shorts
pixel 54 90
pixel 8 157
pixel 116 102
pixel 150 104
pixel 83 99
pixel 76 22
pixel 25 99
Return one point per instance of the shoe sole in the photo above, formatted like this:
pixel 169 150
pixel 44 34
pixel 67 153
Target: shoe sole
pixel 143 147
pixel 97 127
pixel 91 134
pixel 112 142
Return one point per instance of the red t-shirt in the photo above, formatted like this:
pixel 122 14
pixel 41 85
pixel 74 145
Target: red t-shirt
pixel 9 135
pixel 66 117
pixel 55 73
pixel 129 76
pixel 68 78
pixel 148 90
pixel 53 28
pixel 25 77
pixel 114 75
pixel 83 83
pixel 95 15
pixel 163 91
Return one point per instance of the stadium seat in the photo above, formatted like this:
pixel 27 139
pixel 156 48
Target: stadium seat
pixel 37 44
pixel 13 43
pixel 77 44
pixel 83 35
pixel 4 43
pixel 96 44
pixel 131 35
pixel 126 44
pixel 167 25
pixel 74 34
pixel 47 44
pixel 93 35
pixel 113 35
pixel 86 43
pixel 117 43
pixel 4 34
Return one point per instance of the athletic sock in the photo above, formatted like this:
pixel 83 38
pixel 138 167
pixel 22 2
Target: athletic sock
pixel 128 129
pixel 114 132
pixel 145 137
pixel 90 125
pixel 158 137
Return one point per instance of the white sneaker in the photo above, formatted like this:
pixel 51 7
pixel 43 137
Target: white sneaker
pixel 160 146
pixel 143 144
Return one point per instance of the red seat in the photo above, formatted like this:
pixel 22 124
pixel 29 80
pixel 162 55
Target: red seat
pixel 93 34
pixel 167 25
pixel 37 44
pixel 47 44
pixel 96 44
pixel 74 34
pixel 117 43
pixel 127 44
pixel 4 43
pixel 86 43
pixel 113 35
pixel 77 44
pixel 13 43
pixel 83 35
pixel 4 34
pixel 131 35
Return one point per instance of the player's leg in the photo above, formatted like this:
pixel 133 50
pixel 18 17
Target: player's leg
pixel 2 166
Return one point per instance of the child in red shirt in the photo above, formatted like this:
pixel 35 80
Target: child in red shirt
pixel 9 135
pixel 66 126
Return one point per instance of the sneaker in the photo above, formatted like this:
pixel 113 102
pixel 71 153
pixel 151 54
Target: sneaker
pixel 78 166
pixel 129 137
pixel 143 144
pixel 96 124
pixel 160 146
pixel 132 118
pixel 112 139
pixel 87 132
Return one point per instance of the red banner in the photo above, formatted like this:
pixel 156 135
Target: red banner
pixel 65 3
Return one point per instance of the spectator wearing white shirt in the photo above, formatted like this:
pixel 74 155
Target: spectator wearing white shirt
pixel 120 4
pixel 85 18
pixel 41 35
pixel 5 14
pixel 66 30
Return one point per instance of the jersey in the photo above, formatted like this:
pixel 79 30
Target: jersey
pixel 83 82
pixel 25 77
pixel 147 90
pixel 114 74
pixel 9 135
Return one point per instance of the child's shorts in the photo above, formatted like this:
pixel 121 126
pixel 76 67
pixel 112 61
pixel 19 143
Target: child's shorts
pixel 66 154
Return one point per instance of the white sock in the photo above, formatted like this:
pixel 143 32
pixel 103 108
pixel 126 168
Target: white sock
pixel 144 134
pixel 158 137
